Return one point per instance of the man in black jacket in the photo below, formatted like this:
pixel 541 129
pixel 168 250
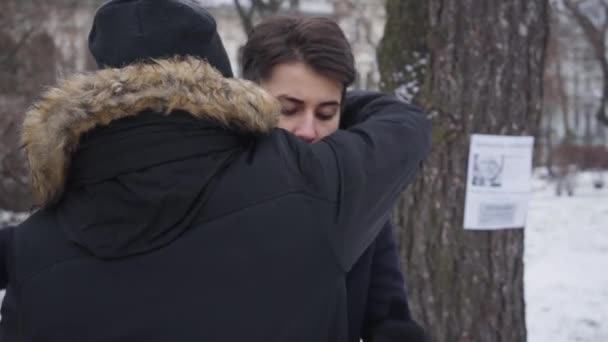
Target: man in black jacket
pixel 173 209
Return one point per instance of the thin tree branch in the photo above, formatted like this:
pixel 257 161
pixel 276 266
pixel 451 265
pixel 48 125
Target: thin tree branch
pixel 275 5
pixel 266 9
pixel 595 37
pixel 593 34
pixel 246 16
pixel 22 41
pixel 259 5
pixel 605 25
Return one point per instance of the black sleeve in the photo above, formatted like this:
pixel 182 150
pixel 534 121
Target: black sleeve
pixel 6 234
pixel 374 160
pixel 366 166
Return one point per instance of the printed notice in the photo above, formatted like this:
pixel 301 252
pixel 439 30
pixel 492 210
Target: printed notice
pixel 498 182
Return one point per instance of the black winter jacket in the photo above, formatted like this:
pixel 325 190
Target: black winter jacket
pixel 174 210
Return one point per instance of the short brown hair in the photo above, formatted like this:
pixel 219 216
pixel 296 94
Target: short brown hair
pixel 316 41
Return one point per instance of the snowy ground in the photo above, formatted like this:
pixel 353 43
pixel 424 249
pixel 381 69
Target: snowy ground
pixel 566 264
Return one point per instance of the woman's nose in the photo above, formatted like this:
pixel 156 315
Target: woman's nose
pixel 306 128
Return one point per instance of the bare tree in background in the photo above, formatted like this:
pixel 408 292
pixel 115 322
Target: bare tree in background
pixel 18 19
pixel 30 60
pixel 27 62
pixel 252 11
pixel 556 99
pixel 555 84
pixel 595 29
pixel 477 67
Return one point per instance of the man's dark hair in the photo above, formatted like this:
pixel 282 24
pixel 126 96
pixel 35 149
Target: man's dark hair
pixel 316 41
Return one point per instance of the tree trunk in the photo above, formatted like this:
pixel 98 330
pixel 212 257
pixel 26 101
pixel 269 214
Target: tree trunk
pixel 29 61
pixel 601 115
pixel 596 36
pixel 548 139
pixel 569 134
pixel 483 75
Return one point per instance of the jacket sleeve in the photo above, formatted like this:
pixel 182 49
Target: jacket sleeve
pixel 372 161
pixel 364 167
pixel 387 285
pixel 6 234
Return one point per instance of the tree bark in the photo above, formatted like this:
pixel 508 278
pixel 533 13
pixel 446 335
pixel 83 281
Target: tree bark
pixel 483 75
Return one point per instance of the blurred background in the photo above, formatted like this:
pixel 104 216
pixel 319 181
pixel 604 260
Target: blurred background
pixel 509 67
pixel 43 40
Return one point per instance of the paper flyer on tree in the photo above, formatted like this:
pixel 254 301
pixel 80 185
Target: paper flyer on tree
pixel 498 181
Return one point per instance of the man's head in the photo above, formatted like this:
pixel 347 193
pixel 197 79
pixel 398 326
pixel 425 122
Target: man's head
pixel 307 63
pixel 129 31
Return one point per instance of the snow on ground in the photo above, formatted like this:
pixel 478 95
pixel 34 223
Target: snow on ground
pixel 8 218
pixel 566 264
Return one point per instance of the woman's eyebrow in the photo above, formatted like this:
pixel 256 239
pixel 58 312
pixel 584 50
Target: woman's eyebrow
pixel 298 101
pixel 290 98
pixel 329 103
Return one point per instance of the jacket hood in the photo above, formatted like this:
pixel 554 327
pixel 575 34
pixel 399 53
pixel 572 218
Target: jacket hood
pixel 127 158
pixel 53 128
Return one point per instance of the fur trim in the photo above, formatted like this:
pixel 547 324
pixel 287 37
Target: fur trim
pixel 53 127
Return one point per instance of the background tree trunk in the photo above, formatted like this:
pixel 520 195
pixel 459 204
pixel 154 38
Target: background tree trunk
pixel 30 59
pixel 483 74
pixel 596 34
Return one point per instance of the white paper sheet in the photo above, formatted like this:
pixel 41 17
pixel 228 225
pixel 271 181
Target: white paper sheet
pixel 498 181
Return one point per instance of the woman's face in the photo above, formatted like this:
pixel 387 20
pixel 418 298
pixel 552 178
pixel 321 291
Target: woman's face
pixel 310 100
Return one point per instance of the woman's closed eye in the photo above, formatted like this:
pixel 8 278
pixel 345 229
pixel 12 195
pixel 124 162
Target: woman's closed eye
pixel 289 106
pixel 289 110
pixel 325 116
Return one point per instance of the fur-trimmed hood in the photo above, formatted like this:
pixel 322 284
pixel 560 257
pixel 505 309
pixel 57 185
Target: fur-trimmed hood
pixel 53 127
